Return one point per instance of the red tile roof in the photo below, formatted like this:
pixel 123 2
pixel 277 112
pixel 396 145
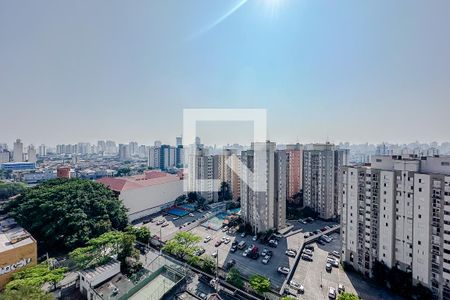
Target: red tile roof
pixel 149 178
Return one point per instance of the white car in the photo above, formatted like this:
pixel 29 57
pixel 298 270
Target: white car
pixel 243 235
pixel 283 270
pixel 255 238
pixel 225 229
pixel 207 239
pixel 191 215
pixel 245 252
pixel 266 259
pixel 294 284
pixel 227 240
pixel 332 293
pixel 308 252
pixel 290 253
pixel 215 253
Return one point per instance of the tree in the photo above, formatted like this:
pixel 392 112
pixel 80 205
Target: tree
pixel 183 245
pixel 347 296
pixel 288 298
pixel 11 189
pixel 180 199
pixel 100 250
pixel 123 172
pixel 192 197
pixel 36 276
pixel 209 265
pixel 142 233
pixel 26 293
pixel 234 278
pixel 224 192
pixel 259 284
pixel 65 213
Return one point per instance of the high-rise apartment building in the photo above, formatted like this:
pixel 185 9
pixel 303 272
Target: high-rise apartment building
pixel 263 205
pixel 31 154
pixel 397 212
pixel 18 151
pixel 203 170
pixel 42 150
pixel 4 156
pixel 133 146
pixel 124 152
pixel 294 170
pixel 322 178
pixel 227 161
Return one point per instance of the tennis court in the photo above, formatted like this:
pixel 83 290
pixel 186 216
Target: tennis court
pixel 178 212
pixel 216 222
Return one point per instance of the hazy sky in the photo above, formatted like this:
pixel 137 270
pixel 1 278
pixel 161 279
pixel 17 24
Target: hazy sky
pixel 344 70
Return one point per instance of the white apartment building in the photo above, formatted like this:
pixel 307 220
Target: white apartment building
pixel 397 211
pixel 322 178
pixel 18 151
pixel 203 170
pixel 263 210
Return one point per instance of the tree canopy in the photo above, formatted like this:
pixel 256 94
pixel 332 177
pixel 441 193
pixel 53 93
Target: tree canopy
pixel 26 293
pixel 183 245
pixel 10 189
pixel 99 250
pixel 65 213
pixel 234 277
pixel 259 283
pixel 347 296
pixel 36 276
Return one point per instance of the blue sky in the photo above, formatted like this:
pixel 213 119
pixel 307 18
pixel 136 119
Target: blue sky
pixel 340 70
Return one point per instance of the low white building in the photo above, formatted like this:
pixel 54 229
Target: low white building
pixel 146 194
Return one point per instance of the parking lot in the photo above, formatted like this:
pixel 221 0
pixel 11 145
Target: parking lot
pixel 316 280
pixel 173 224
pixel 294 240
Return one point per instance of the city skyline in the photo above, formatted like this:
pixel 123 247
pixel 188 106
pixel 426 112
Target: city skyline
pixel 322 70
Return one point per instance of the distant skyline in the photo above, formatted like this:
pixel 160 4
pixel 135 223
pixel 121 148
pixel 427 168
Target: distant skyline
pixel 356 71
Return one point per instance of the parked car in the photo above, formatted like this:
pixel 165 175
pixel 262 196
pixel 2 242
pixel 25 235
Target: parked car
pixel 218 243
pixel 241 245
pixel 227 241
pixel 207 239
pixel 294 284
pixel 333 262
pixel 165 224
pixel 160 222
pixel 307 235
pixel 199 252
pixel 233 248
pixel 225 229
pixel 332 293
pixel 283 270
pixel 230 263
pixel 264 252
pixel 243 235
pixel 307 257
pixel 341 288
pixel 266 259
pixel 308 252
pixel 245 253
pixel 273 243
pixel 255 238
pixel 309 247
pixel 215 253
pixel 234 243
pixel 147 221
pixel 327 227
pixel 328 267
pixel 290 253
pixel 191 215
pixel 317 231
pixel 335 254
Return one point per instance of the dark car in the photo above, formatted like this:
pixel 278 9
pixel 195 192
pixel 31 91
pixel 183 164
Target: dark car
pixel 234 243
pixel 218 243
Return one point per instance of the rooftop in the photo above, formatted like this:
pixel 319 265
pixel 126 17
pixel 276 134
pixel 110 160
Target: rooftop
pixel 149 178
pixel 12 235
